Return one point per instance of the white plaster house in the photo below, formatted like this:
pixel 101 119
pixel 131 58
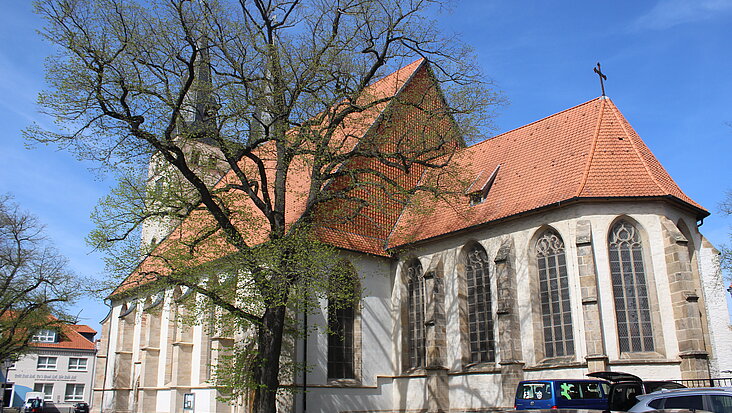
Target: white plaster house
pixel 60 364
pixel 571 251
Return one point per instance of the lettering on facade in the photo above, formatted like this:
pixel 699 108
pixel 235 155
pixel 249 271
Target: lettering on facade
pixel 66 377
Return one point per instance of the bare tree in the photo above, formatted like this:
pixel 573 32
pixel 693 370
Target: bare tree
pixel 726 250
pixel 279 93
pixel 36 285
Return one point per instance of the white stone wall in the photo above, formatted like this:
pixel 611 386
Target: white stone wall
pixel 167 398
pixel 210 169
pixel 463 393
pixel 715 295
pixel 384 386
pixel 377 347
pixel 25 374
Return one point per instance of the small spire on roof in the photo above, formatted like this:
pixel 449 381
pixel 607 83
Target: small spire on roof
pixel 602 78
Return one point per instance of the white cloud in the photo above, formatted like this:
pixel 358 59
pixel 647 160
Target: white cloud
pixel 669 13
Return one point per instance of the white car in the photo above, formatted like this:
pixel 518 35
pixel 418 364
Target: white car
pixel 713 399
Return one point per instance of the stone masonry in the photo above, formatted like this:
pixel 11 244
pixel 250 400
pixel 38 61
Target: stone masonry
pixel 597 359
pixel 685 299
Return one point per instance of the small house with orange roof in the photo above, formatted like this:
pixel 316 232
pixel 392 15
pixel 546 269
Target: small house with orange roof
pixel 59 365
pixel 569 250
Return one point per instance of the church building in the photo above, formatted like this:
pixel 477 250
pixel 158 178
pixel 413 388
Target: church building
pixel 570 251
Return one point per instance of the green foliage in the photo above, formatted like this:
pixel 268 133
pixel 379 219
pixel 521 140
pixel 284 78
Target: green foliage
pixel 223 118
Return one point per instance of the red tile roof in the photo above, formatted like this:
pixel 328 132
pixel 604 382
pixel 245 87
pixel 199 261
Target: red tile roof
pixel 70 338
pixel 83 328
pixel 353 128
pixel 586 152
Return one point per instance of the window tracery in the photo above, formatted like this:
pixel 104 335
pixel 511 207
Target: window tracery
pixel 556 310
pixel 416 337
pixel 480 310
pixel 630 290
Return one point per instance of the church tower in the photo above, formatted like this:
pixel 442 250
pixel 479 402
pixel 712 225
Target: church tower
pixel 195 135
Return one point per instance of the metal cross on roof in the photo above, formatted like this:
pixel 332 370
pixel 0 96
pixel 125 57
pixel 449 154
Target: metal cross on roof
pixel 602 77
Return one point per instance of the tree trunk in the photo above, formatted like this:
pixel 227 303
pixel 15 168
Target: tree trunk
pixel 269 347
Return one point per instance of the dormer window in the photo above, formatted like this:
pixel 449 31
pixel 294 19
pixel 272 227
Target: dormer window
pixel 477 192
pixel 476 198
pixel 44 336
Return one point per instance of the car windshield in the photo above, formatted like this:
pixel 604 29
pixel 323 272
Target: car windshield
pixel 534 391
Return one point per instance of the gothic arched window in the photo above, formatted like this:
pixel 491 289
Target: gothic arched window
pixel 632 308
pixel 416 337
pixel 556 311
pixel 480 311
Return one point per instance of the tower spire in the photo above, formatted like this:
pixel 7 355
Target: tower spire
pixel 199 106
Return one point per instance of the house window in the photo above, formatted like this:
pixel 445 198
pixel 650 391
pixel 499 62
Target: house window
pixel 44 336
pixel 416 338
pixel 74 393
pixel 556 311
pixel 46 389
pixel 341 341
pixel 46 363
pixel 77 364
pixel 480 310
pixel 632 308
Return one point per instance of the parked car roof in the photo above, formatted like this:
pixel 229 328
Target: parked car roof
pixel 645 401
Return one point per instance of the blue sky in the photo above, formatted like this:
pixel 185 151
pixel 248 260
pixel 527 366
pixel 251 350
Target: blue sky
pixel 668 66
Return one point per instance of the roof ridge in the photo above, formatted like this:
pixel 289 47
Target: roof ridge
pixel 530 124
pixel 621 119
pixel 388 105
pixel 593 148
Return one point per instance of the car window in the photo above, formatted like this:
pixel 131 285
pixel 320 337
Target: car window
pixel 534 391
pixel 579 390
pixel 684 402
pixel 652 386
pixel 624 396
pixel 720 404
pixel 656 404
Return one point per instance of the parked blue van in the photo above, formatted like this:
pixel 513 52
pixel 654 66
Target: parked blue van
pixel 562 394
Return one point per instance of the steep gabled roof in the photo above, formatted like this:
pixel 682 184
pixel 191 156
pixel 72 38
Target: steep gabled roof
pixel 354 127
pixel 587 152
